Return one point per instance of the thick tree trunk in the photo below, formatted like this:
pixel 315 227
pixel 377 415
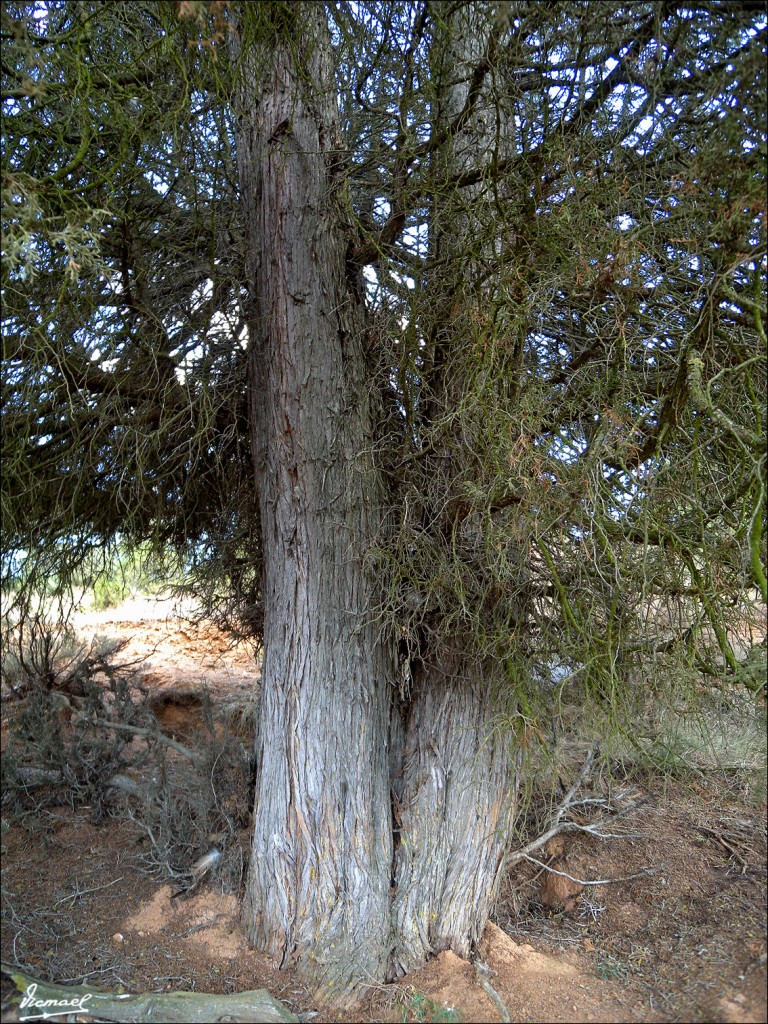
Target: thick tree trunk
pixel 452 812
pixel 455 793
pixel 322 863
pixel 318 887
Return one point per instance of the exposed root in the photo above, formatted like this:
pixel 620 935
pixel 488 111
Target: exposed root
pixel 598 881
pixel 482 976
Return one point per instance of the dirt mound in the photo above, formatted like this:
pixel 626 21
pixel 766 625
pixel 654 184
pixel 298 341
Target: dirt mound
pixel 534 986
pixel 171 649
pixel 209 921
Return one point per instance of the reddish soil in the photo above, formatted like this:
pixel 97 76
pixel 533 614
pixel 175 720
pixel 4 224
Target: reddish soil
pixel 683 943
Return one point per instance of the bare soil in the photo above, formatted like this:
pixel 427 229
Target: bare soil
pixel 686 942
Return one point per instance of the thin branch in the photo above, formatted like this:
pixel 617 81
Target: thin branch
pixel 482 975
pixel 598 881
pixel 83 892
pixel 150 733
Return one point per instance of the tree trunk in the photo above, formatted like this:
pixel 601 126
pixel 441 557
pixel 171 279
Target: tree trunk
pixel 453 810
pixel 318 887
pixel 455 791
pixel 322 864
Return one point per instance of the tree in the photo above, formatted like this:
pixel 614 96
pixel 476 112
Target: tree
pixel 431 337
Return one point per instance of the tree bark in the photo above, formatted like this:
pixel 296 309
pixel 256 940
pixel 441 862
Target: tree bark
pixel 323 858
pixel 320 872
pixel 455 792
pixel 453 809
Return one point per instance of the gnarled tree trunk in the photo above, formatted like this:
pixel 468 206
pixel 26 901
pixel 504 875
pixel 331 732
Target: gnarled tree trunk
pixel 455 794
pixel 320 872
pixel 319 886
pixel 452 813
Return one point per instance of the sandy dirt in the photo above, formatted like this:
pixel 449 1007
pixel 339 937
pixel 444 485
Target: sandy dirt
pixel 685 942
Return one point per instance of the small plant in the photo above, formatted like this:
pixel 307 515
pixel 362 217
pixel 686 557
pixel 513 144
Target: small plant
pixel 609 968
pixel 422 1009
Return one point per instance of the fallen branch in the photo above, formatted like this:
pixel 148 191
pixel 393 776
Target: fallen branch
pixel 82 892
pixel 37 1000
pixel 725 844
pixel 160 736
pixel 598 881
pixel 557 826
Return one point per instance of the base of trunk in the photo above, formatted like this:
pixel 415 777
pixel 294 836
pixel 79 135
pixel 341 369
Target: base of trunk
pixel 319 893
pixel 318 886
pixel 453 807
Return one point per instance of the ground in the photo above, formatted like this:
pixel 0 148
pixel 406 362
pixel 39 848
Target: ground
pixel 684 940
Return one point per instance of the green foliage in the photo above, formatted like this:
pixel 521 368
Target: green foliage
pixel 567 494
pixel 566 215
pixel 119 390
pixel 129 573
pixel 422 1009
pixel 107 595
pixel 609 968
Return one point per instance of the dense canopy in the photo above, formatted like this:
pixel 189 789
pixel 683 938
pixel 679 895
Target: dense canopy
pixel 605 444
pixel 428 339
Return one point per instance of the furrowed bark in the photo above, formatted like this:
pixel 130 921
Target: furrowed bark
pixel 320 872
pixel 319 882
pixel 453 804
pixel 455 793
